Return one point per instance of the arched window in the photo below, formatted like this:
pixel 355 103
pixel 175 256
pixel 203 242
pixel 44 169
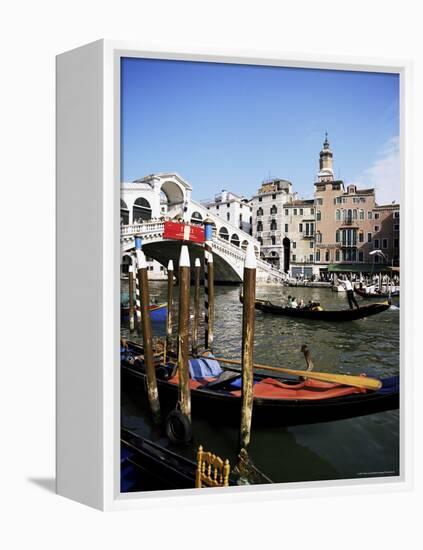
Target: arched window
pixel 235 239
pixel 124 213
pixel 273 210
pixel 355 214
pixel 318 215
pixel 259 226
pixel 244 245
pixel 141 210
pixel 349 215
pixel 361 214
pixel 223 233
pixel 196 217
pixel 338 215
pixel 273 225
pixel 337 237
pixel 260 211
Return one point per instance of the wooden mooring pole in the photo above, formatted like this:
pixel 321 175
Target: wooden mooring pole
pixel 197 275
pixel 169 305
pixel 147 336
pixel 131 297
pixel 183 332
pixel 248 319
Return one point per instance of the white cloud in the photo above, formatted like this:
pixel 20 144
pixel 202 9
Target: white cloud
pixel 384 174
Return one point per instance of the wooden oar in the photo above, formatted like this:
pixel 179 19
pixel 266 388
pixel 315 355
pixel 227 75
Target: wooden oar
pixel 345 379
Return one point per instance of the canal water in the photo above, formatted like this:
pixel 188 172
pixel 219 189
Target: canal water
pixel 360 447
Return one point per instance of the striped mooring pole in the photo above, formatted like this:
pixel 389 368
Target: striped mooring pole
pixel 197 274
pixel 169 305
pixel 131 273
pixel 208 286
pixel 138 245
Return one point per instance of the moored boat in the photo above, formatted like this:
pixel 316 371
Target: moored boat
pixel 281 400
pixel 158 313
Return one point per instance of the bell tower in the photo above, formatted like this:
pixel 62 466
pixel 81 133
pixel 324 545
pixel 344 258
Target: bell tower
pixel 326 162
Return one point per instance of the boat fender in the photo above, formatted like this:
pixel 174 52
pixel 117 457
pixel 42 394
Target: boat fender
pixel 178 427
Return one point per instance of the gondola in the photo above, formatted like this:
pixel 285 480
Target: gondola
pixel 282 401
pixel 148 466
pixel 158 313
pixel 322 314
pixel 361 292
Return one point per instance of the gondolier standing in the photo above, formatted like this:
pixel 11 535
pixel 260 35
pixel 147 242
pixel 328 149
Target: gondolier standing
pixel 346 283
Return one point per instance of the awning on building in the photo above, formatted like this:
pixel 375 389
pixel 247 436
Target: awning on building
pixel 359 268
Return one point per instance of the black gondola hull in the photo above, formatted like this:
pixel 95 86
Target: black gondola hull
pixel 224 407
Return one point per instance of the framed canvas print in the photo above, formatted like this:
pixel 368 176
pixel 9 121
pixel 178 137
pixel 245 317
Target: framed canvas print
pixel 230 275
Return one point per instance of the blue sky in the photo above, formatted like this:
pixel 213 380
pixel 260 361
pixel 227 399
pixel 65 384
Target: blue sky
pixel 224 126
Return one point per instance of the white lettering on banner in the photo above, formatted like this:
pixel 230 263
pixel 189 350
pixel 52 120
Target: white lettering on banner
pixel 187 230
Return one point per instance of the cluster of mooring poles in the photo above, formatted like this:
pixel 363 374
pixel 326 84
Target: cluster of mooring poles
pixel 178 423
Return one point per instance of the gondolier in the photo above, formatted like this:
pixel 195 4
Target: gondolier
pixel 346 283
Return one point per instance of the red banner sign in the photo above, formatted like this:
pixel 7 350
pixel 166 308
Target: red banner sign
pixel 183 232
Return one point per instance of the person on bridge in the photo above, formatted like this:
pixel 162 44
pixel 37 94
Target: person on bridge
pixel 346 283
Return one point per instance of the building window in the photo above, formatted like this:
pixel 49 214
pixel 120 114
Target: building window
pixel 294 258
pixel 361 214
pixel 260 211
pixel 273 210
pixel 376 243
pixel 228 216
pixel 260 240
pixel 369 215
pixel 311 244
pixel 300 227
pixel 301 211
pixel 295 211
pixel 260 199
pixel 273 197
pixel 273 225
pixel 396 214
pixel 337 237
pixel 337 255
pixel 286 211
pixel 376 215
pixel 376 228
pixel 354 214
pixel 319 201
pixel 318 256
pixel 286 228
pixel 396 227
pixel 259 226
pixel 294 244
pixel 396 243
pixel 369 237
pixel 361 237
pixel 318 216
pixel 338 215
pixel 327 256
pixel 273 239
pixel 311 211
pixel 311 257
pixel 384 243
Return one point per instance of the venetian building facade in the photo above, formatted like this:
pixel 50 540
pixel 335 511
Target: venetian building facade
pixel 233 209
pixel 269 219
pixel 349 223
pixel 299 232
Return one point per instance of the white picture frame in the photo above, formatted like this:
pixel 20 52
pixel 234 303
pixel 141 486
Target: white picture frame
pixel 88 279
